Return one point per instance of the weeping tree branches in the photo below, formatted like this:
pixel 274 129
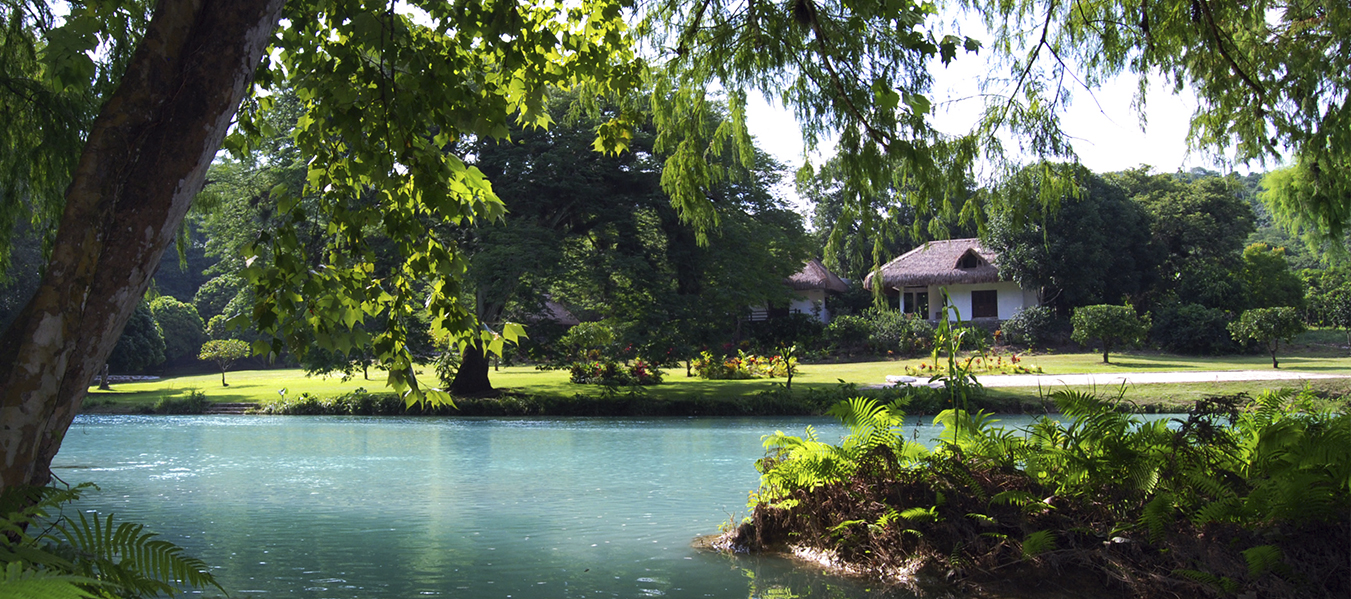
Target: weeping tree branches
pixel 1273 80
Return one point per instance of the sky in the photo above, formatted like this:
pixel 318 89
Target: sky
pixel 1106 128
pixel 1107 131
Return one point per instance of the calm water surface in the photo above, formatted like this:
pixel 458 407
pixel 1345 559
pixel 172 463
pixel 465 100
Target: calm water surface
pixel 400 507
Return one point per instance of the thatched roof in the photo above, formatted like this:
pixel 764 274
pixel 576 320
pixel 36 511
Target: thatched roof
pixel 936 263
pixel 556 312
pixel 816 276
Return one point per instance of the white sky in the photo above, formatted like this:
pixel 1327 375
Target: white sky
pixel 1107 132
pixel 1106 129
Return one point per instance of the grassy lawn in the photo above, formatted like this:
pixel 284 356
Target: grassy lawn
pixel 260 386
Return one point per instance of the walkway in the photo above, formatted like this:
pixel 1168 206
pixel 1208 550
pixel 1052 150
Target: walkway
pixel 1144 378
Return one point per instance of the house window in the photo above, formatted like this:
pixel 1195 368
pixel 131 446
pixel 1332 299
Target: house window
pixel 985 304
pixel 916 302
pixel 968 260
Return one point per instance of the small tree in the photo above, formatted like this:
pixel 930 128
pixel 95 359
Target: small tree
pixel 1336 308
pixel 1268 326
pixel 1110 325
pixel 224 352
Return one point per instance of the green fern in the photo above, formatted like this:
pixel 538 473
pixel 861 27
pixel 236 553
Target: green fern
pixel 92 554
pixel 1264 558
pixel 17 582
pixel 921 514
pixel 1038 543
pixel 131 558
pixel 1157 516
pixel 1223 584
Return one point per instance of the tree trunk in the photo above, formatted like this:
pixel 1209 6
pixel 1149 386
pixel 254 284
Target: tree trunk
pixel 103 383
pixel 472 376
pixel 1273 354
pixel 145 158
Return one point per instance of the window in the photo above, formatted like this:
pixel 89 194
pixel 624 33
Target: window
pixel 985 304
pixel 916 303
pixel 968 260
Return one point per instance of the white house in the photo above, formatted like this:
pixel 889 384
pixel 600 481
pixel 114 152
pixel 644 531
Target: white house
pixel 967 271
pixel 810 285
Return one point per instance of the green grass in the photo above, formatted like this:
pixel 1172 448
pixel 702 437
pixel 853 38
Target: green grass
pixel 260 386
pixel 251 386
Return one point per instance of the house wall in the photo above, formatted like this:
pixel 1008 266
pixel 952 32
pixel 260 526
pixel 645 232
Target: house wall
pixel 1012 298
pixel 812 303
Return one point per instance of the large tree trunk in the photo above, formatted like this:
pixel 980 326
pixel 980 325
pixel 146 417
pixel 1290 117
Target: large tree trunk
pixel 145 158
pixel 472 376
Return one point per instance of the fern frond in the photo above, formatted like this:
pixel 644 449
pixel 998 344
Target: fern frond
pixel 19 583
pixel 921 514
pixel 1158 515
pixel 1262 559
pixel 1223 584
pixel 130 558
pixel 1038 543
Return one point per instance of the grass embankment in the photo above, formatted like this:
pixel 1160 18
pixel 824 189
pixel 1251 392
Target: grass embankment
pixel 530 391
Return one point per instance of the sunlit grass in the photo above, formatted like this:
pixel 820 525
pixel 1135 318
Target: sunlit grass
pixel 258 386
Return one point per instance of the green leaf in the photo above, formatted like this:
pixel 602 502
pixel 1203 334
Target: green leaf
pixel 513 332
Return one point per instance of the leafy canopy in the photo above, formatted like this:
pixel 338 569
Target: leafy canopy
pixel 1110 325
pixel 1268 327
pixel 383 95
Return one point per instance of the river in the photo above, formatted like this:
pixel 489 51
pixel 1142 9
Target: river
pixel 339 507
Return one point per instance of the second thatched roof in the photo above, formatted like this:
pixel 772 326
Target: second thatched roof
pixel 939 263
pixel 816 276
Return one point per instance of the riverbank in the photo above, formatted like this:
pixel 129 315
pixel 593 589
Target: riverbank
pixel 1244 497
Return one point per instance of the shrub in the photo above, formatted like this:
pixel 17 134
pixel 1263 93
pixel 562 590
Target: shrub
pixel 1268 326
pixel 794 329
pixel 974 337
pixel 879 331
pixel 182 327
pixel 588 336
pixel 1192 329
pixel 1031 326
pixel 194 403
pixel 742 366
pixel 141 344
pixel 895 331
pixel 613 374
pixel 1110 325
pixel 848 334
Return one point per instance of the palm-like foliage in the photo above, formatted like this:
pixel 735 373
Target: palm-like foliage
pixel 47 555
pixel 805 463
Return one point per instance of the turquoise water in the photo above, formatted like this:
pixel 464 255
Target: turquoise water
pixel 401 507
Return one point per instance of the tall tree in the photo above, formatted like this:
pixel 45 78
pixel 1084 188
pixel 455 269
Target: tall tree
pixel 145 156
pixel 1270 77
pixel 143 160
pixel 599 233
pixel 1203 226
pixel 1095 247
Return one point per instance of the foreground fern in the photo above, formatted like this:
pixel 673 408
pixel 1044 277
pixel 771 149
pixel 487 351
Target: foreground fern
pixel 47 555
pixel 1238 496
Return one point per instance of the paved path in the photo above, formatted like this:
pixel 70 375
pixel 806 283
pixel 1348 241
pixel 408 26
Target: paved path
pixel 1144 378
